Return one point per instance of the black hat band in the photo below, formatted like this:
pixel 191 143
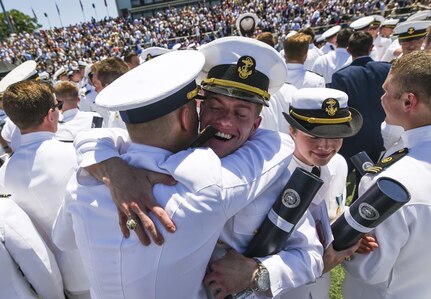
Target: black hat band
pixel 412 33
pixel 242 75
pixel 318 116
pixel 162 107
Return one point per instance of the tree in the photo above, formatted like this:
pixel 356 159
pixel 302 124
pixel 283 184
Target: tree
pixel 21 23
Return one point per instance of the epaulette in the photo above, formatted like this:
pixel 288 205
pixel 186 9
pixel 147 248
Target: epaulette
pixel 4 195
pixel 388 161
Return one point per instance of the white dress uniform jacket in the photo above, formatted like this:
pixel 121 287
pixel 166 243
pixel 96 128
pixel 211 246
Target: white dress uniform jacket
pixel 36 175
pixel 299 77
pixel 299 262
pixel 328 64
pixel 381 44
pixel 328 47
pixel 75 121
pixel 207 194
pixel 326 206
pixel 24 258
pixel 272 116
pixel 312 54
pixel 400 268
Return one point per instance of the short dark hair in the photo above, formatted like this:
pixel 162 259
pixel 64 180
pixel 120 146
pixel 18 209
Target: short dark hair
pixel 28 102
pixel 109 69
pixel 309 31
pixel 343 37
pixel 267 38
pixel 129 55
pixel 360 43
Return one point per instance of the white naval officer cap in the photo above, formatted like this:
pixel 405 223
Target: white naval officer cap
pixel 422 15
pixel 152 52
pixel 411 30
pixel 390 23
pixel 60 72
pixel 331 32
pixel 378 20
pixel 24 71
pixel 246 23
pixel 242 68
pixel 323 112
pixel 155 88
pixel 362 23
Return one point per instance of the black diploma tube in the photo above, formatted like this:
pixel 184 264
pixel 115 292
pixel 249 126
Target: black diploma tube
pixel 204 136
pixel 289 207
pixel 379 202
pixel 361 161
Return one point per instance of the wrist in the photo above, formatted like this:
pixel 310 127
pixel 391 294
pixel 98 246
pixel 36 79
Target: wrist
pixel 261 281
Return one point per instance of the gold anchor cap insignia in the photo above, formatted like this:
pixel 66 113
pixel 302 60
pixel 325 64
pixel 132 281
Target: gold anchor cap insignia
pixel 411 30
pixel 246 66
pixel 330 106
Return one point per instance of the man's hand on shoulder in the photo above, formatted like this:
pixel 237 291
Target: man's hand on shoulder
pixel 132 191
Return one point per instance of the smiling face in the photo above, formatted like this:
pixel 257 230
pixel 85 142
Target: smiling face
pixel 236 120
pixel 312 150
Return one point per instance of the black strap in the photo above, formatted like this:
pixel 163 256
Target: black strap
pixel 388 161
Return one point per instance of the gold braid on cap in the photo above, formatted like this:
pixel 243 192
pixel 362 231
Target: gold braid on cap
pixel 412 36
pixel 192 94
pixel 227 83
pixel 317 120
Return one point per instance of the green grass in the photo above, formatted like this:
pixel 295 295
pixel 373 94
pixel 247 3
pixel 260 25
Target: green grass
pixel 337 276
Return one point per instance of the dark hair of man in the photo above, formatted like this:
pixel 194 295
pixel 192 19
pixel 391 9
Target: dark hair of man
pixel 28 102
pixel 267 38
pixel 129 55
pixel 309 31
pixel 296 47
pixel 412 73
pixel 343 37
pixel 65 90
pixel 360 43
pixel 110 69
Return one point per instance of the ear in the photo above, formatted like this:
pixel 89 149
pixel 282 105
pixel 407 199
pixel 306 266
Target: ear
pixel 186 119
pixel 50 116
pixel 256 124
pixel 410 102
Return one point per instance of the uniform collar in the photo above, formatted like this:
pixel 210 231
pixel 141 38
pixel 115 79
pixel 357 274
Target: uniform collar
pixel 70 112
pixel 411 138
pixel 148 157
pixel 295 66
pixel 36 137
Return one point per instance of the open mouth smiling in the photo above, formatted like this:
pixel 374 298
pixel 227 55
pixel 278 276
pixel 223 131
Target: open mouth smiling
pixel 223 136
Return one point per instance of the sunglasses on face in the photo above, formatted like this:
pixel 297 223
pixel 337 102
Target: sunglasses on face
pixel 59 105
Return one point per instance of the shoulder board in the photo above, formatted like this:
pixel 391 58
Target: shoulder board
pixel 388 161
pixel 5 195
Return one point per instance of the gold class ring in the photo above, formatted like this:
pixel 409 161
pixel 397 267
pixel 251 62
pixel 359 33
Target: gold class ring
pixel 131 223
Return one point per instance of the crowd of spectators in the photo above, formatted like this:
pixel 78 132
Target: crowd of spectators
pixel 188 26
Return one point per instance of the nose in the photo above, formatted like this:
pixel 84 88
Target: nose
pixel 225 120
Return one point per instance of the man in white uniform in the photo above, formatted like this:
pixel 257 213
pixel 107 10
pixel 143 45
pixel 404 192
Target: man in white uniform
pixel 331 62
pixel 199 204
pixel 295 52
pixel 74 120
pixel 226 114
pixel 37 173
pixel 400 267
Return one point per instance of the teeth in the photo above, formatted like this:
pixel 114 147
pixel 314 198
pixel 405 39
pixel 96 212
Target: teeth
pixel 223 135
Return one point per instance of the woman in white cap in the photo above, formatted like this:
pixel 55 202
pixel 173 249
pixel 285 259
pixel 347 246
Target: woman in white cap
pixel 319 120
